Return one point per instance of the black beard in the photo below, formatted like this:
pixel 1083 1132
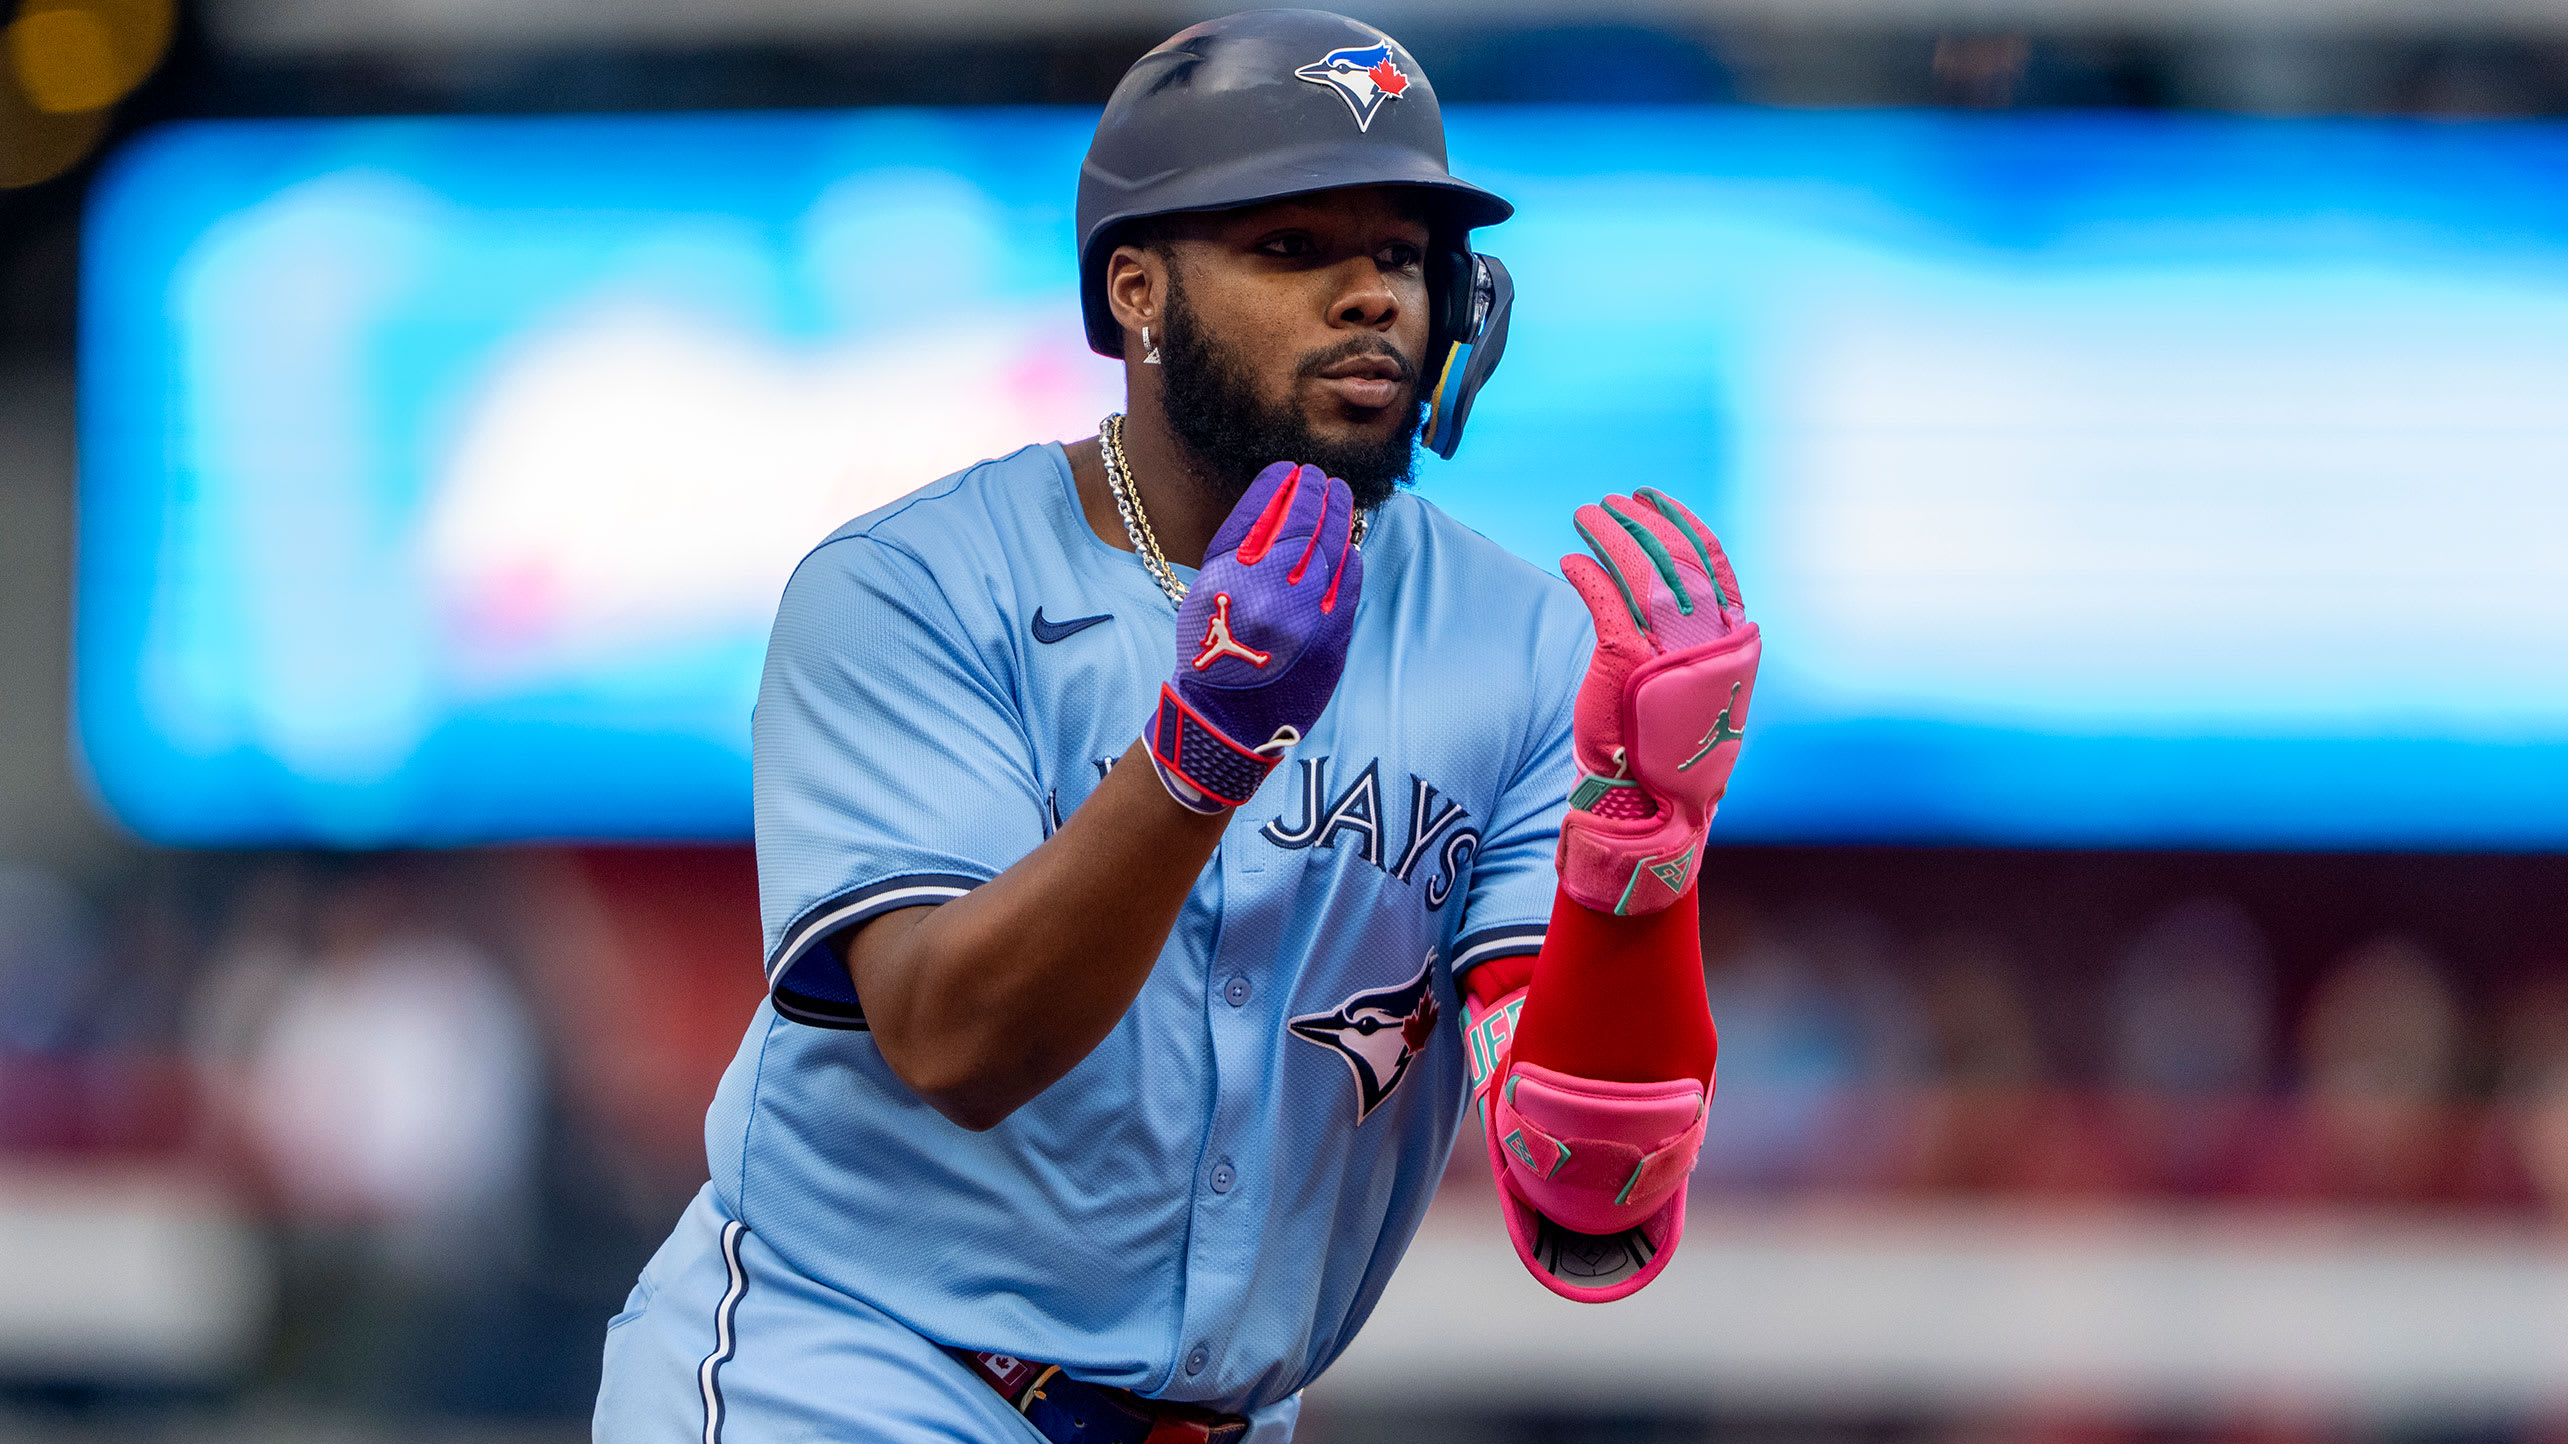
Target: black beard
pixel 1230 435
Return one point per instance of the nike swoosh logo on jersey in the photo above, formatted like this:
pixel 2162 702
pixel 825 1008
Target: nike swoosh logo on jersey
pixel 1054 631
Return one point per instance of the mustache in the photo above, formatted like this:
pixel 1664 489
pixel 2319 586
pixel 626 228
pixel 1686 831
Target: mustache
pixel 1354 346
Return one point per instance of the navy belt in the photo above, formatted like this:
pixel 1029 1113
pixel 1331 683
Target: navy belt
pixel 1070 1411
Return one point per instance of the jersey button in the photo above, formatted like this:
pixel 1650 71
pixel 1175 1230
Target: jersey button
pixel 1196 1358
pixel 1224 1176
pixel 1236 991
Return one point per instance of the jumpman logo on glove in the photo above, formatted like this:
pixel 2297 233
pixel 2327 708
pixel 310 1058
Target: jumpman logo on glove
pixel 1721 732
pixel 1286 556
pixel 1219 643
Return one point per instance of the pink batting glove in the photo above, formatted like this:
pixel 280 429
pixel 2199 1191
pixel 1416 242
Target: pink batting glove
pixel 1664 706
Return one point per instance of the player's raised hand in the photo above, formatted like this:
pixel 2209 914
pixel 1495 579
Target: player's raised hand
pixel 1261 638
pixel 1664 706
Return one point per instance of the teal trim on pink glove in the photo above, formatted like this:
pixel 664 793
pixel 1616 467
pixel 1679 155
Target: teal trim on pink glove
pixel 1664 707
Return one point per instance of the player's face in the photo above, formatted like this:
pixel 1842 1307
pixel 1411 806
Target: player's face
pixel 1324 298
pixel 1296 330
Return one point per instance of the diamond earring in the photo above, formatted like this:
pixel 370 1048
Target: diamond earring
pixel 1150 356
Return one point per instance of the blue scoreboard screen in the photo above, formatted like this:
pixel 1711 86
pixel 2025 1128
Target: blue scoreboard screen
pixel 2098 480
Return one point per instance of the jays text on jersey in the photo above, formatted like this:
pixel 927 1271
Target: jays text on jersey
pixel 1207 1206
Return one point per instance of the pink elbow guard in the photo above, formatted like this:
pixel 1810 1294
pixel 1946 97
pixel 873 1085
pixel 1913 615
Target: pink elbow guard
pixel 1592 1176
pixel 1591 1173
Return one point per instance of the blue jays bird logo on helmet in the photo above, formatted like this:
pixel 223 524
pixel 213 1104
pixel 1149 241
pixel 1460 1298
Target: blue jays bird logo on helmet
pixel 1379 1033
pixel 1364 76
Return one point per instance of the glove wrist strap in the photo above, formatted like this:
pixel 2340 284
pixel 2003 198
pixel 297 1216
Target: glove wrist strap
pixel 1203 767
pixel 1627 868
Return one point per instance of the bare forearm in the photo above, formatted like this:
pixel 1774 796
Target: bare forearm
pixel 984 1002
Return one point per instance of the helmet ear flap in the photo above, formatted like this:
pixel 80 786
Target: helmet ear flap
pixel 1449 273
pixel 1468 333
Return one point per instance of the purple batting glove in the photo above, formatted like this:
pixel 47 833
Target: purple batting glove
pixel 1261 638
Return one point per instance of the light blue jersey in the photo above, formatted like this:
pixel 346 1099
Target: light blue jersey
pixel 1207 1207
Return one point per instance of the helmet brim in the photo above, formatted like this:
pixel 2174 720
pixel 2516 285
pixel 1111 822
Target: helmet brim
pixel 1261 180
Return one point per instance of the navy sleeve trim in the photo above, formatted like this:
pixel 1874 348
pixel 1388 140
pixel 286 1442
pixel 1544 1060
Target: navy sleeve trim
pixel 829 1001
pixel 832 915
pixel 1474 948
pixel 820 1012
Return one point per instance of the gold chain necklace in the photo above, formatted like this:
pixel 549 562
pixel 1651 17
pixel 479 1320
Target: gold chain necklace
pixel 1136 522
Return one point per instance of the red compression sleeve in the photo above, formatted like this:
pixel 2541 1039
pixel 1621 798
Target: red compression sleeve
pixel 1489 984
pixel 1619 999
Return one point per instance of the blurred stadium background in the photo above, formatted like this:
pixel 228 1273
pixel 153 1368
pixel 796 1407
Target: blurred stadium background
pixel 2144 998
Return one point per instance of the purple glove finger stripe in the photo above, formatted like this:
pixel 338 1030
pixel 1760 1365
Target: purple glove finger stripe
pixel 1250 508
pixel 1270 521
pixel 1302 564
pixel 1309 509
pixel 1350 569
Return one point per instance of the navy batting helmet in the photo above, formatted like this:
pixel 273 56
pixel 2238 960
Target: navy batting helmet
pixel 1274 103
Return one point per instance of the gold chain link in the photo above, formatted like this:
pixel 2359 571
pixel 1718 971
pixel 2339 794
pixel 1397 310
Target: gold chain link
pixel 1136 522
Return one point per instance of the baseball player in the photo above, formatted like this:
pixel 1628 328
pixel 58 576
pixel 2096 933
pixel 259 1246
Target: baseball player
pixel 1136 817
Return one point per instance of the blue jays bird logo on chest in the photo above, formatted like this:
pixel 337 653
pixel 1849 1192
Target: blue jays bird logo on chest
pixel 1364 76
pixel 1379 1034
